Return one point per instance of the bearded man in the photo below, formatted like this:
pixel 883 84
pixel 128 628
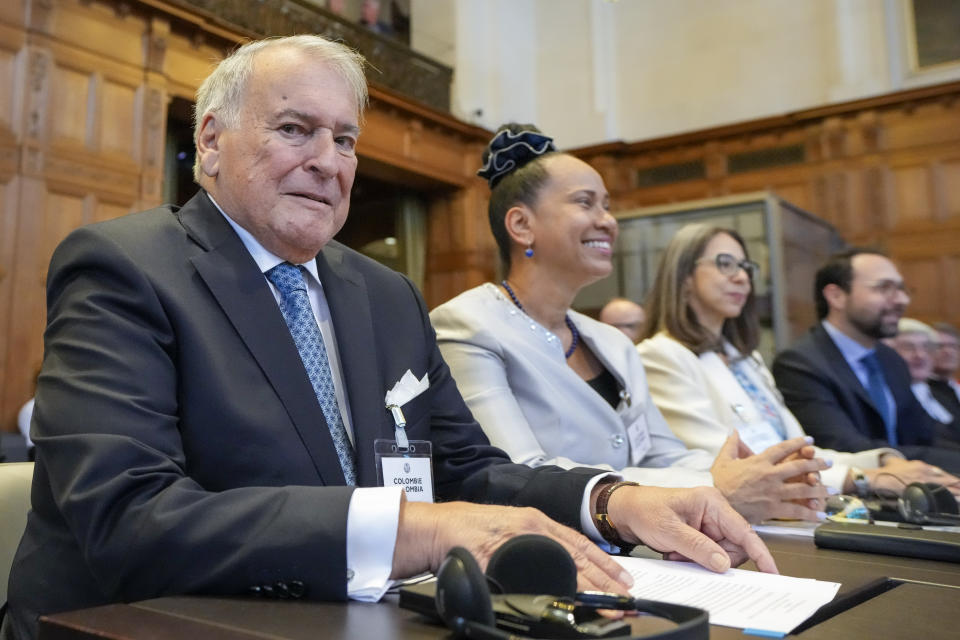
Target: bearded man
pixel 850 391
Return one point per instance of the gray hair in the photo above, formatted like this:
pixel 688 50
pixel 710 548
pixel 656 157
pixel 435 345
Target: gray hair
pixel 910 325
pixel 222 91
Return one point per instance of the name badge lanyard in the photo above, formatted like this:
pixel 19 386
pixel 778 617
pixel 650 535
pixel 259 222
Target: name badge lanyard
pixel 403 462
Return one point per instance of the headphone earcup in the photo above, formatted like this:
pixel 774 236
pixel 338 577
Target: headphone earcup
pixel 912 503
pixel 942 500
pixel 462 593
pixel 533 564
pixel 916 503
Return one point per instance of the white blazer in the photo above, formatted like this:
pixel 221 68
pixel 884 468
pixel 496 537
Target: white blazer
pixel 703 402
pixel 514 377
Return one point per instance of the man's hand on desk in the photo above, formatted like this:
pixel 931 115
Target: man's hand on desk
pixel 688 524
pixel 896 473
pixel 780 482
pixel 427 531
pixel 696 524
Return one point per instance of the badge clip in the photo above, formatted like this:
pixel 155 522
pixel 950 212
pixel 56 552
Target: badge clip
pixel 400 423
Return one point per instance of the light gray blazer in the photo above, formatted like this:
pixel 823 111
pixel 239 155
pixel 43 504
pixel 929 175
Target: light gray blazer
pixel 514 377
pixel 703 402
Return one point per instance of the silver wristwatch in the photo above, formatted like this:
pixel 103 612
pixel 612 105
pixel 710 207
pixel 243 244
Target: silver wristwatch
pixel 860 482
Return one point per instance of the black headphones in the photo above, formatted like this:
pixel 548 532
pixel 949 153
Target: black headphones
pixel 535 580
pixel 928 503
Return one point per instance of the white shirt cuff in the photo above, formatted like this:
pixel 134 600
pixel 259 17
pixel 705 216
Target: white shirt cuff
pixel 372 521
pixel 587 524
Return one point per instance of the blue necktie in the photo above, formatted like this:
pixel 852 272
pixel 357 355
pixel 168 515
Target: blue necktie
pixel 876 386
pixel 298 314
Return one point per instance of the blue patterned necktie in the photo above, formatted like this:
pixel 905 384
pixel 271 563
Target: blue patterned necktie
pixel 876 389
pixel 298 314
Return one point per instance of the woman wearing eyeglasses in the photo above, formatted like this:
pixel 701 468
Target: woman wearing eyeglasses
pixel 552 386
pixel 705 375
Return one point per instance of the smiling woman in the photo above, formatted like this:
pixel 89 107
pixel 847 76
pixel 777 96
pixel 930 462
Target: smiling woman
pixel 552 386
pixel 547 384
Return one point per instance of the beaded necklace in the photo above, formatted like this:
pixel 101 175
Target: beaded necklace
pixel 566 318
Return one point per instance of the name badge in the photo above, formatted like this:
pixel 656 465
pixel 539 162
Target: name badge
pixel 409 468
pixel 639 437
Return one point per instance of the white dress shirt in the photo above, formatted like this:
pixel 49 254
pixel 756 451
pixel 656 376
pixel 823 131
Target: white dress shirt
pixel 930 404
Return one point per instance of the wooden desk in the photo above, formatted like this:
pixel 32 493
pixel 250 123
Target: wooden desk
pixel 927 610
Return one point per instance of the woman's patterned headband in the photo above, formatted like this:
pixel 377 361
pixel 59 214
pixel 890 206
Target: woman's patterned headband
pixel 510 151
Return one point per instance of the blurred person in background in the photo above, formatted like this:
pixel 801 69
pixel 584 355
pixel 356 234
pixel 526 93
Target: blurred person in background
pixel 708 379
pixel 625 315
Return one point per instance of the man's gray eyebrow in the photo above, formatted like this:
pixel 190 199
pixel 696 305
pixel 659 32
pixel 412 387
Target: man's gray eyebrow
pixel 300 115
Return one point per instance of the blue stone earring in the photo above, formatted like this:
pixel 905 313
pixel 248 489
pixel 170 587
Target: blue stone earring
pixel 529 251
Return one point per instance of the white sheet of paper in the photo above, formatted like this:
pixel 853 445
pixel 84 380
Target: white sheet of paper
pixel 737 598
pixel 801 528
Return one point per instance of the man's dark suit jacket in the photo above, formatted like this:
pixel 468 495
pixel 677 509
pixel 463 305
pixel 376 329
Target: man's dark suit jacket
pixel 947 397
pixel 180 446
pixel 826 396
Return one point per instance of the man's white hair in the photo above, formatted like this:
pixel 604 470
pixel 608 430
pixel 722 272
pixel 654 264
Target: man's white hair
pixel 222 91
pixel 909 325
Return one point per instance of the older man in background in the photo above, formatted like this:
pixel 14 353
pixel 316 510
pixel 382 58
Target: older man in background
pixel 946 361
pixel 916 343
pixel 625 315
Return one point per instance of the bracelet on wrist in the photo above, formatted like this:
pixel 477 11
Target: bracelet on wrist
pixel 601 518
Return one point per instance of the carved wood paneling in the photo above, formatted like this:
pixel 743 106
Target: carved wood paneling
pixel 70 96
pixel 912 190
pixel 8 224
pixel 117 117
pixel 7 75
pixel 84 89
pixel 883 170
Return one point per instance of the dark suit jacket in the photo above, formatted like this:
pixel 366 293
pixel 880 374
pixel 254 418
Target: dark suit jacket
pixel 180 446
pixel 826 396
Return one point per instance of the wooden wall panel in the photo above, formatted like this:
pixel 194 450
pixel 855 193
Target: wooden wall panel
pixel 117 115
pixel 948 184
pixel 885 171
pixel 70 97
pixel 8 223
pixel 924 275
pixel 105 30
pixel 951 304
pixel 7 93
pixel 63 212
pixel 912 195
pixel 186 62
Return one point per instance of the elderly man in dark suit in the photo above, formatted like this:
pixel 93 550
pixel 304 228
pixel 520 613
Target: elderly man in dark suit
pixel 850 391
pixel 215 378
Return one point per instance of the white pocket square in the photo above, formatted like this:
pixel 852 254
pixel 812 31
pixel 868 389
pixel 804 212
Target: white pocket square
pixel 406 389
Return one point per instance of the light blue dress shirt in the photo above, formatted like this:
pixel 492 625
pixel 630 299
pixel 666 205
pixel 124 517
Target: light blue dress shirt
pixel 854 352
